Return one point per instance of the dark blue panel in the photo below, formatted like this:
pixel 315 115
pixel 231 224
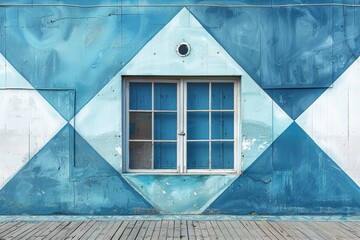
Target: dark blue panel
pixel 77 48
pixel 295 101
pixel 346 32
pixel 222 96
pixel 197 125
pixel 165 155
pixel 238 31
pixel 63 100
pixel 140 96
pixel 222 125
pixel 293 176
pixel 295 47
pixel 165 96
pixel 222 155
pixel 197 96
pixel 198 155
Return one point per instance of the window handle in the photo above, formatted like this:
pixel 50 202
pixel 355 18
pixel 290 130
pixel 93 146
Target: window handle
pixel 181 133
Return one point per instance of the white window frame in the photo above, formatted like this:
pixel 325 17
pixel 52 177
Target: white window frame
pixel 181 124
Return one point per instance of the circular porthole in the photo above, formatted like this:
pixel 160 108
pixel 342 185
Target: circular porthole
pixel 183 49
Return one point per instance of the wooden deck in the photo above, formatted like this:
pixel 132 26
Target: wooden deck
pixel 180 229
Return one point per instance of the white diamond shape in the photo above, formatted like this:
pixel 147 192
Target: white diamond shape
pixel 27 122
pixel 99 122
pixel 332 121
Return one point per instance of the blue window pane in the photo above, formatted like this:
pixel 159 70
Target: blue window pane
pixel 198 125
pixel 165 97
pixel 198 155
pixel 165 126
pixel 197 96
pixel 222 96
pixel 222 125
pixel 140 96
pixel 165 155
pixel 222 155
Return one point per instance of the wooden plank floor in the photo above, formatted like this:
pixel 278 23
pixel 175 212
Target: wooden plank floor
pixel 180 229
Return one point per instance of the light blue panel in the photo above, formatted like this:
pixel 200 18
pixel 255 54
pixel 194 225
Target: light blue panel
pixel 256 119
pixel 99 123
pixel 222 155
pixel 165 126
pixel 197 96
pixel 140 96
pixel 197 155
pixel 165 155
pixel 184 194
pixel 222 125
pixel 222 96
pixel 165 96
pixel 197 125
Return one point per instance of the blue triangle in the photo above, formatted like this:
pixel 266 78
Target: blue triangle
pixel 295 101
pixel 88 163
pixel 293 176
pixel 99 188
pixel 85 59
pixel 43 185
pixel 275 52
pixel 61 100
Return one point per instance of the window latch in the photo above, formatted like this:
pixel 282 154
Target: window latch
pixel 181 133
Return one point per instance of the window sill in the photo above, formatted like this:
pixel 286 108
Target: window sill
pixel 212 173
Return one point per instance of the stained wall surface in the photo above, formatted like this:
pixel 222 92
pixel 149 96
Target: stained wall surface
pixel 62 68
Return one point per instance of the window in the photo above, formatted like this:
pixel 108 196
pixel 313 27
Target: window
pixel 181 125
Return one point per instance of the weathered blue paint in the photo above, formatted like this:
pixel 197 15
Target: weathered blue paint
pixel 286 57
pixel 102 39
pixel 287 48
pixel 293 176
pixel 44 186
pixel 295 101
pixel 180 194
pixel 63 101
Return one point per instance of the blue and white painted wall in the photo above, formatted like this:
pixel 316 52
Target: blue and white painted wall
pixel 61 101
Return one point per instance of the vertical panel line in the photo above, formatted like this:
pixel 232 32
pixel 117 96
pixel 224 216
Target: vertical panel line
pixel 210 124
pixel 152 125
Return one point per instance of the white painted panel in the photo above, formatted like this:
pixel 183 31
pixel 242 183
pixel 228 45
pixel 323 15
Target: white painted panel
pixel 45 122
pixel 27 123
pixel 9 77
pixel 333 121
pixel 14 132
pixel 354 124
